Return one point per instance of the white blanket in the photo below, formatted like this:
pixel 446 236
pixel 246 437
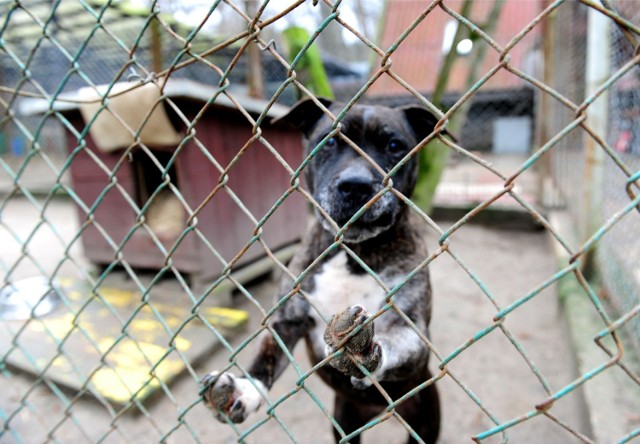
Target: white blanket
pixel 125 114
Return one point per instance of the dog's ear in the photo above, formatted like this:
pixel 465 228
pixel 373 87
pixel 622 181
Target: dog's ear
pixel 304 114
pixel 422 121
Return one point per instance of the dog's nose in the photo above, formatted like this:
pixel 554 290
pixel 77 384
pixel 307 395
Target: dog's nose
pixel 356 189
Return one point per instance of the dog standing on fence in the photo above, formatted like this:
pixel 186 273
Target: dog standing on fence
pixel 389 239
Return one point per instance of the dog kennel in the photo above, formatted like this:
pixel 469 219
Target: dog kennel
pixel 230 186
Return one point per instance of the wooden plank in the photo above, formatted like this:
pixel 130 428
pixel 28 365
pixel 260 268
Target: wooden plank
pixel 134 351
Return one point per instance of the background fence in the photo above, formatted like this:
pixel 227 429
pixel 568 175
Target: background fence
pixel 139 296
pixel 617 256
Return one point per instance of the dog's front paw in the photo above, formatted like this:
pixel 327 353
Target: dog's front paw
pixel 359 349
pixel 230 397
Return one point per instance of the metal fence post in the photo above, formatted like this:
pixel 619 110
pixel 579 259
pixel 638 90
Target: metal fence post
pixel 597 72
pixel 544 114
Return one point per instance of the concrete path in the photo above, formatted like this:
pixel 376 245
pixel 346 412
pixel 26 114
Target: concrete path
pixel 510 263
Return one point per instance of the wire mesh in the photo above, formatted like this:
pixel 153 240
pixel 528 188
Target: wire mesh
pixel 569 161
pixel 623 136
pixel 134 274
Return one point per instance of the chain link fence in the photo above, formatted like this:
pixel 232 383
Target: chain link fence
pixel 105 322
pixel 619 270
pixel 617 257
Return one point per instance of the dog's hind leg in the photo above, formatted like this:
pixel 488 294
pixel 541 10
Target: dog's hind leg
pixel 351 416
pixel 422 413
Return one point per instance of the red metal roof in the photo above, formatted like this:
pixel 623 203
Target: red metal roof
pixel 418 58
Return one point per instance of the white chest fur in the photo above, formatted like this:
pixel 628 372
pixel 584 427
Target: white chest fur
pixel 336 288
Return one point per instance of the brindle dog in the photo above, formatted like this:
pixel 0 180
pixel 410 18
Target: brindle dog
pixel 390 240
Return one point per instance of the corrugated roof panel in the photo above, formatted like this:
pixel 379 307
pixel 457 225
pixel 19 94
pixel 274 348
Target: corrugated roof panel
pixel 419 57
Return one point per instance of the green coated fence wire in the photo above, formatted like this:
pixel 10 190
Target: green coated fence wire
pixel 121 344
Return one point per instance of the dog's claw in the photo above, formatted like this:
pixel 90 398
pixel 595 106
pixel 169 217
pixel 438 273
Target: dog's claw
pixel 236 412
pixel 359 349
pixel 237 405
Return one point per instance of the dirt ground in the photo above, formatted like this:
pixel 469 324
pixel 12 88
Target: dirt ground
pixel 509 263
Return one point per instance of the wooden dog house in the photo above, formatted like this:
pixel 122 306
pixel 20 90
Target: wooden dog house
pixel 113 183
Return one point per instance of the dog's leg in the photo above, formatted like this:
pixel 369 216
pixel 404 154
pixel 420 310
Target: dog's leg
pixel 422 413
pixel 402 353
pixel 351 416
pixel 235 397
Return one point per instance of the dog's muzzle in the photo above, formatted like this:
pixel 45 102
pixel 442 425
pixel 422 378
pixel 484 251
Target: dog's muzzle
pixel 352 190
pixel 355 192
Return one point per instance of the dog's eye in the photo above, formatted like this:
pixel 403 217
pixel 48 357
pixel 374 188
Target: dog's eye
pixel 396 146
pixel 331 142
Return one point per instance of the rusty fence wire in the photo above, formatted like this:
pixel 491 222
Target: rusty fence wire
pixel 117 348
